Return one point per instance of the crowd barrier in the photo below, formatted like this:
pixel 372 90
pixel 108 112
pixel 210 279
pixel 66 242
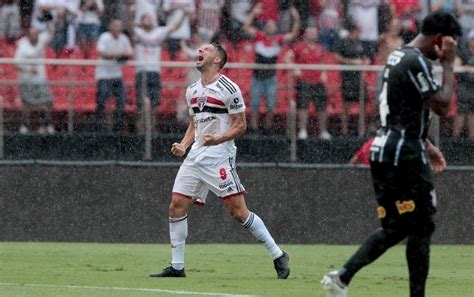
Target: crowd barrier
pixel 128 202
pixel 73 85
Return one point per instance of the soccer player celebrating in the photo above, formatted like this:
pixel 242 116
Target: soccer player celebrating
pixel 401 154
pixel 217 112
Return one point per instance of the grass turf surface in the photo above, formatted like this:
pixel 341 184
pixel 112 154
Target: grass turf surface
pixel 79 269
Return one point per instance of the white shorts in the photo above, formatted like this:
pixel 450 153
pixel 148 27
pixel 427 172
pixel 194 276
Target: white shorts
pixel 194 180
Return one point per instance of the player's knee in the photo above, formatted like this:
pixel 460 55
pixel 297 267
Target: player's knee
pixel 239 215
pixel 177 208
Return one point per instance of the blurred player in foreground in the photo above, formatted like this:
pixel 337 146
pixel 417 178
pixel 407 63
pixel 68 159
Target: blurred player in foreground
pixel 401 154
pixel 217 112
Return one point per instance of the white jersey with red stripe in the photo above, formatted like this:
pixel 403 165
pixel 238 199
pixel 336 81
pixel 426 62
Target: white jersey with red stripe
pixel 211 105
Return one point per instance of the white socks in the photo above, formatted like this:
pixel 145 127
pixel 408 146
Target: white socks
pixel 178 235
pixel 256 226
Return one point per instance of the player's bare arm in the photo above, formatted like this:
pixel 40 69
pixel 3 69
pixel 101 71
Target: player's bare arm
pixel 179 148
pixel 441 101
pixel 437 160
pixel 237 129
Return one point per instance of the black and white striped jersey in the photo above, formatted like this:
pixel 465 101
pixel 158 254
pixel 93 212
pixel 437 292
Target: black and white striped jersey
pixel 407 83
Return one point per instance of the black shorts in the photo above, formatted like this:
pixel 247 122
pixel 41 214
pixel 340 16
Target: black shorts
pixel 405 193
pixel 307 92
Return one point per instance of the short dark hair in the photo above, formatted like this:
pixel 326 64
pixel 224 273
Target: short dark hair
pixel 441 23
pixel 222 54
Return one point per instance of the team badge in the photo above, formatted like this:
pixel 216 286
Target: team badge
pixel 201 102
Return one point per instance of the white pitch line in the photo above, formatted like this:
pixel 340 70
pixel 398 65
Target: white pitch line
pixel 128 289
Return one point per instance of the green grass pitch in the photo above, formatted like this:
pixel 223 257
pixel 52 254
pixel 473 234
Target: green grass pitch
pixel 83 269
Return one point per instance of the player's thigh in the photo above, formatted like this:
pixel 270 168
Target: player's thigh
pixel 189 183
pixel 404 193
pixel 222 178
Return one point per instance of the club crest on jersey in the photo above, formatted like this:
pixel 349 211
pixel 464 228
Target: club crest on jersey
pixel 201 102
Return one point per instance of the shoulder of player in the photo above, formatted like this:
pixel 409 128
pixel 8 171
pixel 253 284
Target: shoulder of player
pixel 225 84
pixel 415 59
pixel 192 85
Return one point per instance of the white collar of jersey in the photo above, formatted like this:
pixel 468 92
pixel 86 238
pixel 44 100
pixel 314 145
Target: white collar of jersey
pixel 212 85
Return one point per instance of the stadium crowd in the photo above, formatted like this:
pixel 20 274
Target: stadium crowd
pixel 349 32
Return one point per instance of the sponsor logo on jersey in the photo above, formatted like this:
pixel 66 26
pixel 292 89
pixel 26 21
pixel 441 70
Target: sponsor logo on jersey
pixel 220 87
pixel 205 120
pixel 405 206
pixel 381 212
pixel 236 104
pixel 226 184
pixel 230 189
pixel 201 102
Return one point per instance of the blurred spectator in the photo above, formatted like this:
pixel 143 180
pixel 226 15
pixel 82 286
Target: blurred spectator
pixel 423 11
pixel 329 23
pixel 113 47
pixel 310 84
pixel 362 156
pixel 466 17
pixel 190 50
pixel 89 25
pixel 449 6
pixel 34 90
pixel 44 11
pixel 175 10
pixel 148 40
pixel 465 115
pixel 10 20
pixel 267 48
pixel 149 7
pixel 365 14
pixel 389 41
pixel 405 11
pixel 270 12
pixel 209 18
pixel 350 51
pixel 62 13
pixel 234 15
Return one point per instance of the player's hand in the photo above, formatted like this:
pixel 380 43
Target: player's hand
pixel 447 53
pixel 438 163
pixel 209 140
pixel 178 149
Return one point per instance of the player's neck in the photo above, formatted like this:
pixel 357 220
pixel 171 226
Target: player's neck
pixel 422 43
pixel 209 77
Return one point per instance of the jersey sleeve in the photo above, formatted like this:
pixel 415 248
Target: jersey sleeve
pixel 235 101
pixel 188 100
pixel 420 75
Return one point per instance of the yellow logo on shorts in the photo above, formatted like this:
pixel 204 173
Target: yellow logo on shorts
pixel 381 212
pixel 405 206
